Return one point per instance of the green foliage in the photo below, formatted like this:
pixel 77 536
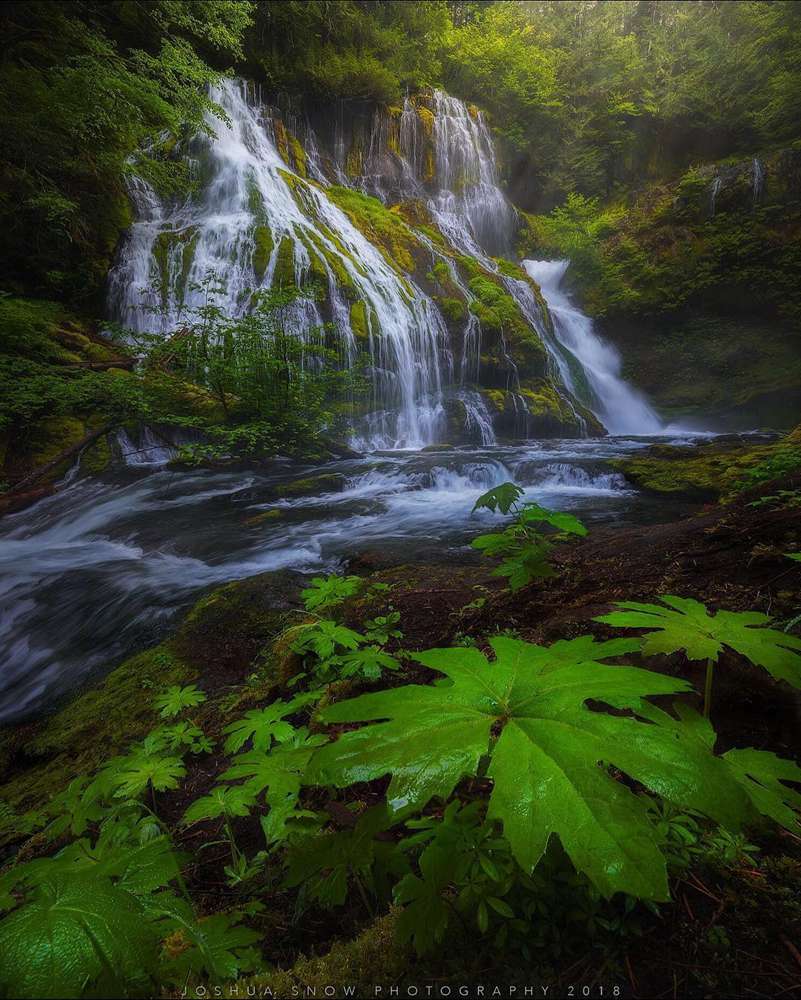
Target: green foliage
pixel 339 652
pixel 73 929
pixel 85 86
pixel 328 591
pixel 91 919
pixel 685 624
pixel 276 390
pixel 325 865
pixel 763 776
pixel 262 726
pixel 523 549
pixel 537 697
pixel 176 698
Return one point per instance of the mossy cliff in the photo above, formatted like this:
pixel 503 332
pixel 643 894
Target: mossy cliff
pixel 696 280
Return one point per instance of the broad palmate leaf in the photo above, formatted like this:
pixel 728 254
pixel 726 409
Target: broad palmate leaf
pixel 686 624
pixel 550 752
pixel 75 931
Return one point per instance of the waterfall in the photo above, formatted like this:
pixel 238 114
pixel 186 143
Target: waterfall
pixel 714 191
pixel 250 199
pixel 590 367
pixel 254 221
pixel 758 175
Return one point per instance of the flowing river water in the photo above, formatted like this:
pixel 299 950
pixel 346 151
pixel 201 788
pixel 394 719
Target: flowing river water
pixel 102 568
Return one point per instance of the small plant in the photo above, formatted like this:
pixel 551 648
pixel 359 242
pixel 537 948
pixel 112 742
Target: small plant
pixel 383 628
pixel 686 624
pixel 337 652
pixel 327 864
pixel 328 591
pixel 175 699
pixel 522 547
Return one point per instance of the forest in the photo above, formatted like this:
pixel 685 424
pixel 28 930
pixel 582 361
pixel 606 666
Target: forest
pixel 400 498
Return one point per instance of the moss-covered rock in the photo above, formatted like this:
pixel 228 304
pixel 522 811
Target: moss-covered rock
pixel 323 482
pixel 375 956
pixel 228 634
pixel 262 250
pixel 713 470
pixel 284 273
pixel 384 227
pixel 39 759
pixel 174 254
pixel 538 408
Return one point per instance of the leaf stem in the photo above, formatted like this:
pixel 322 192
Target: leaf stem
pixel 710 666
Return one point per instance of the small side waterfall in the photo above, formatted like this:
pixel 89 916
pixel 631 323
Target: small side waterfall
pixel 588 366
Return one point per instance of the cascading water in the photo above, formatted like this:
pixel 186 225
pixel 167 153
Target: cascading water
pixel 249 194
pixel 588 366
pixel 252 207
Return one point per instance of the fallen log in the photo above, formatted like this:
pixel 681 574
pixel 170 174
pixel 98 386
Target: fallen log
pixel 22 484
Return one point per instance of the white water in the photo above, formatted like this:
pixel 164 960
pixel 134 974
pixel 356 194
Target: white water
pixel 101 568
pixel 589 366
pixel 244 182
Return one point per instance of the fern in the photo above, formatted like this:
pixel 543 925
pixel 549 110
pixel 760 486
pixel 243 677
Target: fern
pixel 543 761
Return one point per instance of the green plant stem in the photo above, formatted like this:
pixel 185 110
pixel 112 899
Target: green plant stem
pixel 710 666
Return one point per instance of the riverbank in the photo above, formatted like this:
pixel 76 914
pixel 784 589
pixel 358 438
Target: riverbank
pixel 728 927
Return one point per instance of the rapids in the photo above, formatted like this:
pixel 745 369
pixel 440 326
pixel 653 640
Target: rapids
pixel 100 569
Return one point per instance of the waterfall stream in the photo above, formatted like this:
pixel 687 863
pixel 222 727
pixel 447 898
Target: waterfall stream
pixel 252 212
pixel 160 276
pixel 589 366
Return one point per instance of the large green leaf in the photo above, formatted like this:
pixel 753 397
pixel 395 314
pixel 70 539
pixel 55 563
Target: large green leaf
pixel 550 752
pixel 686 624
pixel 76 930
pixel 763 775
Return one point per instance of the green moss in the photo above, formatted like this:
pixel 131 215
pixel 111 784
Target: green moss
pixel 298 154
pixel 383 226
pixel 49 437
pixel 500 317
pixel 325 482
pixel 262 250
pixel 358 320
pixel 273 514
pixel 454 310
pixel 714 470
pixel 167 245
pixel 284 273
pixel 375 956
pixel 97 457
pixel 543 400
pixel 281 140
